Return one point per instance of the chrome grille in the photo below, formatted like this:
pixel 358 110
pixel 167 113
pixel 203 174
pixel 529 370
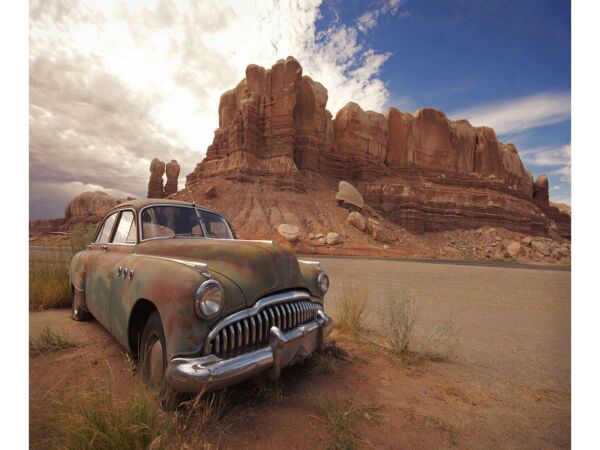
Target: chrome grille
pixel 252 332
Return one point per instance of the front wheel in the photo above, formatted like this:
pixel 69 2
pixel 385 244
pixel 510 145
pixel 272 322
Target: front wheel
pixel 153 361
pixel 78 313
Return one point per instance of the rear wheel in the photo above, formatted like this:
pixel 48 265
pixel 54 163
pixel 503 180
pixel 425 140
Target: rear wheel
pixel 78 313
pixel 153 360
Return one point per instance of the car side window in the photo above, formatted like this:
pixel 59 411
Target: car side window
pixel 104 234
pixel 126 230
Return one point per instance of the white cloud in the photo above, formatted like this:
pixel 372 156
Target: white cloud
pixel 519 114
pixel 555 161
pixel 369 19
pixel 115 83
pixel 547 156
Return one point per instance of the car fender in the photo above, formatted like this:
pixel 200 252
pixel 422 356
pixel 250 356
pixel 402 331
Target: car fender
pixel 170 285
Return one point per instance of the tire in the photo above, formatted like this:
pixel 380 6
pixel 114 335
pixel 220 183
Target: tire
pixel 153 361
pixel 78 313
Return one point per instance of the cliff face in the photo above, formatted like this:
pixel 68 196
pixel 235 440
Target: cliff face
pixel 423 171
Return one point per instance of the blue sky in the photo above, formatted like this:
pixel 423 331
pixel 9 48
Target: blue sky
pixel 116 83
pixel 455 55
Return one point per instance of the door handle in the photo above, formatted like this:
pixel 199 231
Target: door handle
pixel 104 247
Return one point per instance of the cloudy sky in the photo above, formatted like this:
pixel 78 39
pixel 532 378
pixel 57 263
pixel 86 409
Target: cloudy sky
pixel 114 84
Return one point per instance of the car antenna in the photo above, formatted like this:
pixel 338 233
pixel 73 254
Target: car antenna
pixel 187 189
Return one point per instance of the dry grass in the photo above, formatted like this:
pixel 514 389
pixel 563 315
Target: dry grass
pixel 49 280
pixel 350 308
pixel 193 418
pixel 343 418
pixel 49 271
pixel 95 420
pixel 270 390
pixel 49 340
pixel 440 344
pixel 92 418
pixel 397 320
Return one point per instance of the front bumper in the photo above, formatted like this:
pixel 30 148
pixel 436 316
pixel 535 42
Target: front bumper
pixel 211 372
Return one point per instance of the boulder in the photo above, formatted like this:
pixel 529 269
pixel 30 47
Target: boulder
pixel 289 232
pixel 451 252
pixel 332 238
pixel 322 240
pixel 513 249
pixel 379 232
pixel 311 236
pixel 320 235
pixel 540 247
pixel 357 220
pixel 348 196
pixel 527 240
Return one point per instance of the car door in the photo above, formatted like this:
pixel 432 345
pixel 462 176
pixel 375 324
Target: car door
pixel 99 291
pixel 120 259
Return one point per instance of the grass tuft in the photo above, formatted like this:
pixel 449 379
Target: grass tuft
pixel 97 421
pixel 50 340
pixel 343 418
pixel 398 320
pixel 199 413
pixel 350 308
pixel 270 390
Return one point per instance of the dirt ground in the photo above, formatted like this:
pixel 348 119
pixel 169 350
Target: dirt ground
pixel 508 386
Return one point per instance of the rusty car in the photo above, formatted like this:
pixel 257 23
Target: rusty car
pixel 198 308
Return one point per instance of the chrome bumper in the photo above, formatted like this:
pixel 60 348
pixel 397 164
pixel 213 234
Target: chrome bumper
pixel 284 349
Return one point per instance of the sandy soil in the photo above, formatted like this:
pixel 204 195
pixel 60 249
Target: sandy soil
pixel 507 387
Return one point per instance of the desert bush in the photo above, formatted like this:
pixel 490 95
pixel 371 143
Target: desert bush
pixel 49 340
pixel 350 308
pixel 397 319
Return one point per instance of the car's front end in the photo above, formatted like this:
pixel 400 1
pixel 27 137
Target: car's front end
pixel 279 330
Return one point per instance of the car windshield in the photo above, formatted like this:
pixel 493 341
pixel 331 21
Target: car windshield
pixel 171 221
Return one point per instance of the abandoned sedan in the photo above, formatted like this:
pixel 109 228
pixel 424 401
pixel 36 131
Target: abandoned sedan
pixel 200 308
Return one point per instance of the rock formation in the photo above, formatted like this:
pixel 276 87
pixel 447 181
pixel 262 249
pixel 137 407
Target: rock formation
pixel 90 205
pixel 87 208
pixel 155 184
pixel 172 171
pixel 422 171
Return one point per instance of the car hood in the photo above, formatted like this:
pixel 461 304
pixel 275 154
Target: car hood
pixel 258 268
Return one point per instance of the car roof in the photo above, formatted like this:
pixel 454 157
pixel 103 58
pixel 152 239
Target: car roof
pixel 138 204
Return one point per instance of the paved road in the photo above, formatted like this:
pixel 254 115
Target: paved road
pixel 513 320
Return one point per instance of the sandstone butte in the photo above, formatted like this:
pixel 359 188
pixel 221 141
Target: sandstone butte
pixel 279 154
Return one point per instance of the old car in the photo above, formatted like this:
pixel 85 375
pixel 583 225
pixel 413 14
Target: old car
pixel 199 308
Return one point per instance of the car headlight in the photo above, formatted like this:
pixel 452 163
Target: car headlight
pixel 209 299
pixel 323 282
